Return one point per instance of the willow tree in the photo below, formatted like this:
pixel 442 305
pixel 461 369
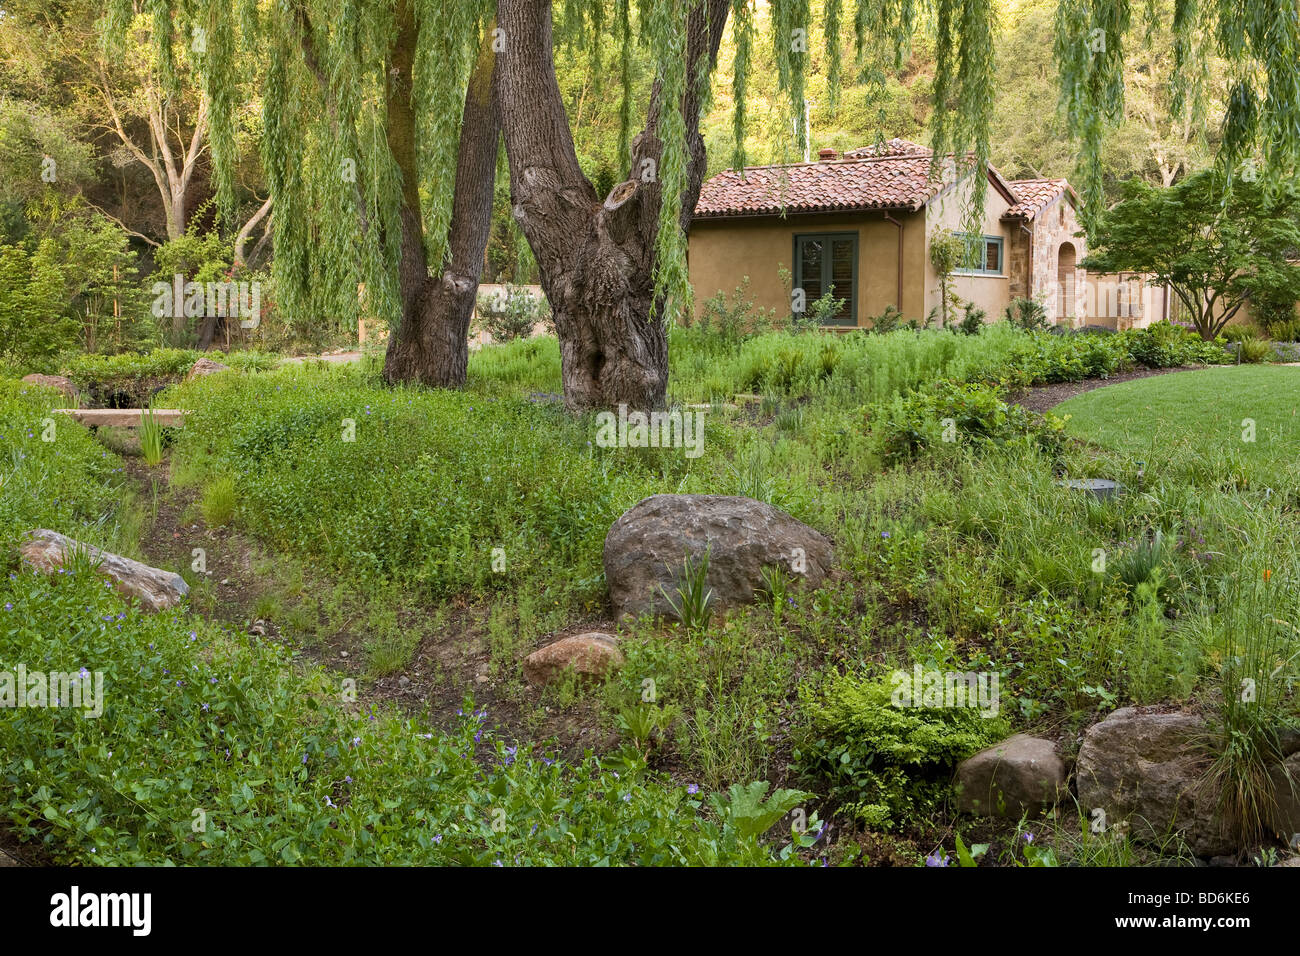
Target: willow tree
pixel 382 121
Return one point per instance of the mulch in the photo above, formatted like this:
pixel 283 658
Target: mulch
pixel 1044 397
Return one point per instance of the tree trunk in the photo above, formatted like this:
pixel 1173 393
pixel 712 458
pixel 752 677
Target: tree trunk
pixel 596 257
pixel 430 346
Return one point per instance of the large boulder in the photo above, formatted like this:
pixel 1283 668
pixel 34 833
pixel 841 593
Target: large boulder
pixel 58 382
pixel 645 548
pixel 590 655
pixel 155 589
pixel 204 366
pixel 1021 775
pixel 1149 769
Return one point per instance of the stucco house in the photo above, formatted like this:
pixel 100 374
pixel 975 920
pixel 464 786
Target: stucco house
pixel 862 222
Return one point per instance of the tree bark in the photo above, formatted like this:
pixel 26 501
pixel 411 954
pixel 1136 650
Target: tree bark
pixel 430 346
pixel 596 257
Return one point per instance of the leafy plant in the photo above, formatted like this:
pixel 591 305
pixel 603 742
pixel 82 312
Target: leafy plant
pixel 218 501
pixel 750 812
pixel 972 322
pixel 151 438
pixel 885 763
pixel 693 604
pixel 1028 314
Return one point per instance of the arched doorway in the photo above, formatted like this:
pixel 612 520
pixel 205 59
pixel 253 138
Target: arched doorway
pixel 1065 273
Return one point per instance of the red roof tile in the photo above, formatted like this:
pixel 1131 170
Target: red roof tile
pixel 886 182
pixel 1032 195
pixel 894 174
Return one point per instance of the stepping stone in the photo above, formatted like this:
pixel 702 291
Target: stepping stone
pixel 155 589
pixel 125 417
pixel 1099 488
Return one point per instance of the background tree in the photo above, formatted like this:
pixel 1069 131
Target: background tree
pixel 1214 247
pixel 406 94
pixel 1149 141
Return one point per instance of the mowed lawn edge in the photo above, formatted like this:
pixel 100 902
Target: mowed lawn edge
pixel 1247 410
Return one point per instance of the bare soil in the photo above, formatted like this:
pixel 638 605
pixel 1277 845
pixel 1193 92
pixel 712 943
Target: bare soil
pixel 448 665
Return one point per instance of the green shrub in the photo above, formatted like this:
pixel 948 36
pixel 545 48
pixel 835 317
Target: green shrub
pixel 1028 314
pixel 129 379
pixel 953 414
pixel 511 313
pixel 734 319
pixel 886 321
pixel 1276 315
pixel 1166 345
pixel 972 322
pixel 1254 350
pixel 1239 333
pixel 886 763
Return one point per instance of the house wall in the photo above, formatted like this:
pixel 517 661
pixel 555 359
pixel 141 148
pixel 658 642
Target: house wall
pixel 989 292
pixel 1055 225
pixel 722 252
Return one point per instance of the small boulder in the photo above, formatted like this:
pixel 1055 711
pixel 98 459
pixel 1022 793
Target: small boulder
pixel 204 366
pixel 1020 775
pixel 155 589
pixel 64 385
pixel 590 655
pixel 645 548
pixel 1150 769
pixel 1284 816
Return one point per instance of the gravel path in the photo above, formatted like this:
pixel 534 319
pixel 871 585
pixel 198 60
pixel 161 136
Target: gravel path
pixel 1044 397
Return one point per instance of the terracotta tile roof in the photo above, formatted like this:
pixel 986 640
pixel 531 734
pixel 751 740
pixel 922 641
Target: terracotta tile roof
pixel 1032 195
pixel 848 185
pixel 894 174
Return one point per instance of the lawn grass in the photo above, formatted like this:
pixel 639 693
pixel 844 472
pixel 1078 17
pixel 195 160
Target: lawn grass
pixel 1208 413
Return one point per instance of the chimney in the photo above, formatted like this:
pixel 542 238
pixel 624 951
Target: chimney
pixel 826 154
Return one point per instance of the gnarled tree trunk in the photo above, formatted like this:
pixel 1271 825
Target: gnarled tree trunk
pixel 596 257
pixel 430 346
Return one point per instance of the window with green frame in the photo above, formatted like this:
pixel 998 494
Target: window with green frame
pixel 826 262
pixel 988 256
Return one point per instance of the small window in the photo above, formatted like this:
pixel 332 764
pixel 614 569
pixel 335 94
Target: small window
pixel 828 262
pixel 988 257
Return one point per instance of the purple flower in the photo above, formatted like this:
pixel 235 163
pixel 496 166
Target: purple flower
pixel 304 760
pixel 937 858
pixel 1027 837
pixel 8 606
pixel 884 534
pixel 693 789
